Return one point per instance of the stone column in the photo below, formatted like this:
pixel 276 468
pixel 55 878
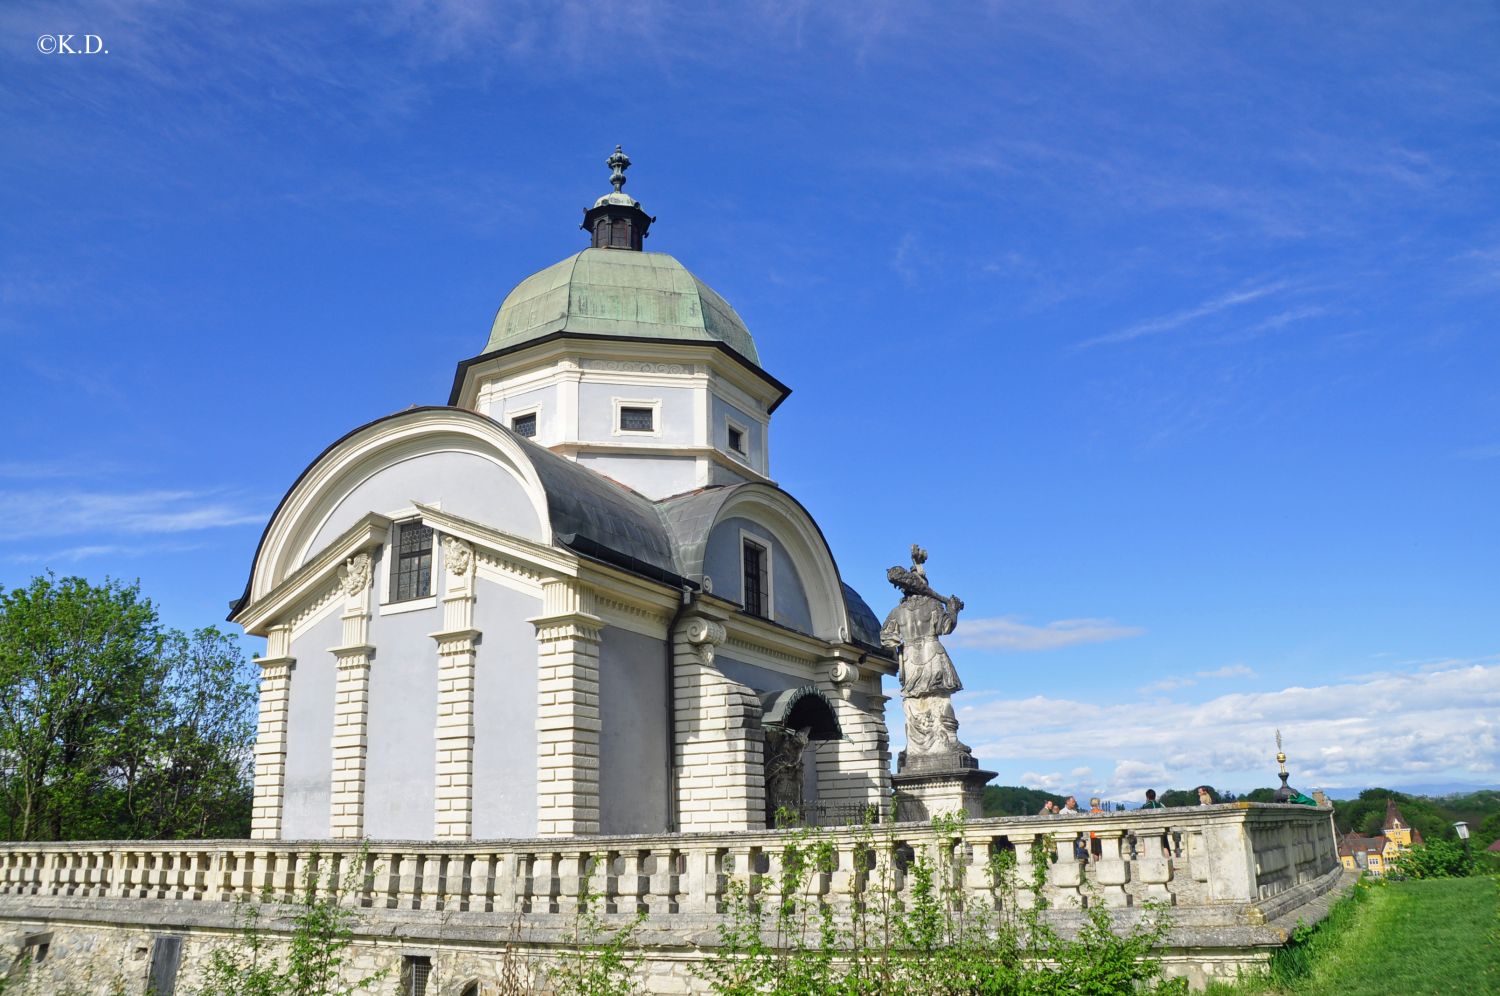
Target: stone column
pixel 455 719
pixel 568 634
pixel 270 734
pixel 718 747
pixel 351 704
pixel 854 771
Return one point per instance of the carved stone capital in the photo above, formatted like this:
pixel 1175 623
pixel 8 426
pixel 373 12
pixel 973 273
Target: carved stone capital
pixel 457 555
pixel 843 673
pixel 704 635
pixel 354 576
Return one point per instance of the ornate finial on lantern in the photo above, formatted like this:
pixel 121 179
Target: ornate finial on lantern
pixel 618 162
pixel 1280 754
pixel 616 221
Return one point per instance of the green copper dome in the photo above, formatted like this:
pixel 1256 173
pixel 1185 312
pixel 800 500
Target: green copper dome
pixel 619 292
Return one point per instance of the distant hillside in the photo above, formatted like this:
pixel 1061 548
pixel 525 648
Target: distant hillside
pixel 1434 816
pixel 1016 800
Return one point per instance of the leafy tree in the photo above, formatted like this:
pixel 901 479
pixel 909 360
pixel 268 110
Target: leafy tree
pixel 1186 797
pixel 111 727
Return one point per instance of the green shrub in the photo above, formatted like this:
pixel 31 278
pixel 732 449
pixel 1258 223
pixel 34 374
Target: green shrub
pixel 1436 859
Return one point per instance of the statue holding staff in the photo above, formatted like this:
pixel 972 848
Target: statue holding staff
pixel 928 678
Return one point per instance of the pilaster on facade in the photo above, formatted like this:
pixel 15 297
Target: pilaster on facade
pixel 456 647
pixel 568 634
pixel 718 745
pixel 270 734
pixel 854 771
pixel 351 703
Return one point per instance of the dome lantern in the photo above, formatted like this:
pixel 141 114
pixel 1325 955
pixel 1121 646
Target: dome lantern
pixel 616 220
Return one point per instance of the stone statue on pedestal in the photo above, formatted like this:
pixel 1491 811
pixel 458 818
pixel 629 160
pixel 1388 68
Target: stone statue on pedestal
pixel 928 678
pixel 936 773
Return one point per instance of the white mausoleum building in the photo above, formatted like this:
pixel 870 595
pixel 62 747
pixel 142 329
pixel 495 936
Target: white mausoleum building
pixel 572 600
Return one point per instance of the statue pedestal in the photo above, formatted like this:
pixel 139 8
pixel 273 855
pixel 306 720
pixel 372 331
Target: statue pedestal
pixel 929 785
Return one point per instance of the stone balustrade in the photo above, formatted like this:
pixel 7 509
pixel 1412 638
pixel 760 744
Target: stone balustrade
pixel 1213 857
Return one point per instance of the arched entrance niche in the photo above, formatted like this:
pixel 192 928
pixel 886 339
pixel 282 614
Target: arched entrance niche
pixel 797 721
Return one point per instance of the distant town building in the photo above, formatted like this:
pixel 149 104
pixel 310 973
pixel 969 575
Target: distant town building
pixel 1375 854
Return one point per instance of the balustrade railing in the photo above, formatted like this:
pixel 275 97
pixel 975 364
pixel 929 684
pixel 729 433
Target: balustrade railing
pixel 1206 856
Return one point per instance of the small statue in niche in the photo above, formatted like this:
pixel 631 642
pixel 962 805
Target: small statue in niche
pixel 784 770
pixel 928 678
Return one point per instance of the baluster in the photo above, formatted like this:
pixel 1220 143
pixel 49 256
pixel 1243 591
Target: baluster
pixel 87 872
pixel 574 870
pixel 529 870
pixel 183 879
pixel 979 886
pixel 1024 884
pixel 1112 871
pixel 460 882
pixel 171 864
pixel 618 866
pixel 1153 864
pixel 481 881
pixel 739 874
pixel 384 886
pixel 432 881
pixel 1066 874
pixel 408 883
pixel 288 870
pixel 631 882
pixel 544 868
pixel 658 894
pixel 68 873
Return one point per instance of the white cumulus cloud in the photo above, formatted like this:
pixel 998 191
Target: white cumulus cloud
pixel 1389 727
pixel 1009 633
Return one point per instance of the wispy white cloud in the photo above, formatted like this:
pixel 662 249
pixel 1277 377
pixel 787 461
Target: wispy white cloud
pixel 1177 319
pixel 1384 727
pixel 1009 633
pixel 34 513
pixel 1277 322
pixel 90 551
pixel 1169 684
pixel 1173 683
pixel 1229 671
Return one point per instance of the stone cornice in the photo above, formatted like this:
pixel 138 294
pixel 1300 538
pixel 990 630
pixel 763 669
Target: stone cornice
pixel 366 534
pixel 549 358
pixel 572 449
pixel 547 561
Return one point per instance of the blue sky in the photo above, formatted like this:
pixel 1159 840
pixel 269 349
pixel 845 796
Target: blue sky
pixel 1169 330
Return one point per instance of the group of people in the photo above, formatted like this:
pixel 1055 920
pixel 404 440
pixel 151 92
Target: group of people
pixel 1070 805
pixel 1089 849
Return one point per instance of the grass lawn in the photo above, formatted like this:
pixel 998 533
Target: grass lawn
pixel 1434 936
